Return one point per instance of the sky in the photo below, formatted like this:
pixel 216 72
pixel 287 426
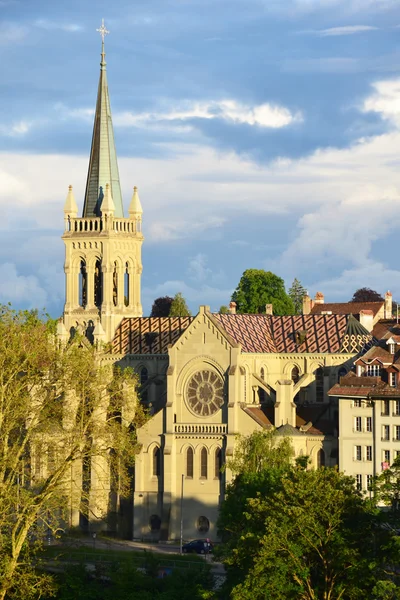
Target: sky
pixel 261 134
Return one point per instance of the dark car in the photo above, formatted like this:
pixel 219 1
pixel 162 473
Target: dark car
pixel 199 546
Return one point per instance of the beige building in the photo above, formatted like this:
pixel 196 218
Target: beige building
pixel 204 379
pixel 369 408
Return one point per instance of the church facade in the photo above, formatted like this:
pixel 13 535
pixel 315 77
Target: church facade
pixel 204 379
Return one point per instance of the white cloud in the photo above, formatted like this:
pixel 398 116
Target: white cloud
pixel 385 100
pixel 52 25
pixel 344 30
pixel 198 269
pixel 20 289
pixel 168 230
pixel 262 115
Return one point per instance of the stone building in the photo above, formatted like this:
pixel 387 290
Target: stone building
pixel 204 379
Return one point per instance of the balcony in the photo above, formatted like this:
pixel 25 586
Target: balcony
pixel 211 429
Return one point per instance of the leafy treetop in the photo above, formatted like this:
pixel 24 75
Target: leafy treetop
pixel 161 307
pixel 257 288
pixel 179 307
pixel 296 293
pixel 366 295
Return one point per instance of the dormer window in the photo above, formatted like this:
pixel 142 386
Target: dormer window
pixel 391 348
pixel 392 379
pixel 373 371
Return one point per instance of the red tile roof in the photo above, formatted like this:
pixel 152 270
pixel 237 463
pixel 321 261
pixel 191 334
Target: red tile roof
pixel 384 327
pixel 148 335
pixel 376 352
pixel 347 308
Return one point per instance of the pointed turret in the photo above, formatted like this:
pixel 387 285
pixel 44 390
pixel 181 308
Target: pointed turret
pixel 103 166
pixel 107 206
pixel 135 207
pixel 70 206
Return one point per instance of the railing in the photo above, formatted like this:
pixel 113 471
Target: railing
pixel 208 429
pixel 87 225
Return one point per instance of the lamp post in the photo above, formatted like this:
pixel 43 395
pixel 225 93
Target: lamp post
pixel 181 540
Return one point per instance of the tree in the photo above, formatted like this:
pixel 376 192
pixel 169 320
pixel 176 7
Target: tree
pixel 296 293
pixel 256 289
pixel 60 409
pixel 179 307
pixel 161 307
pixel 366 295
pixel 223 310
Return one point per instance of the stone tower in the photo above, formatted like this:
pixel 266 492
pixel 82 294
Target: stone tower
pixel 103 262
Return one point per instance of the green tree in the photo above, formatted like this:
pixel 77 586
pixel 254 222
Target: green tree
pixel 320 540
pixel 296 293
pixel 57 407
pixel 179 307
pixel 257 288
pixel 223 310
pixel 161 307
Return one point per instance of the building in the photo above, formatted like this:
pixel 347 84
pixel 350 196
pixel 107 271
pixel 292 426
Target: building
pixel 369 408
pixel 368 313
pixel 205 379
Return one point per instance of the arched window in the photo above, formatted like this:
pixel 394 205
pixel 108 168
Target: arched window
pixel 144 375
pixel 156 462
pixel 218 463
pixel 115 284
pixel 320 458
pixel 203 524
pixel 126 285
pixel 83 284
pixel 98 291
pixel 189 462
pixel 155 523
pixel 295 374
pixel 262 373
pixel 319 384
pixel 203 463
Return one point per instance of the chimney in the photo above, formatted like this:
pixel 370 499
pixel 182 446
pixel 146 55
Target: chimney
pixel 307 304
pixel 367 319
pixel 319 298
pixel 388 305
pixel 232 308
pixel 268 309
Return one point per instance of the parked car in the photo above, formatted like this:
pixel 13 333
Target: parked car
pixel 204 546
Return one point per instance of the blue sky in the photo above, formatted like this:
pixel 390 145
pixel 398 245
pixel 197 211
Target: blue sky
pixel 261 134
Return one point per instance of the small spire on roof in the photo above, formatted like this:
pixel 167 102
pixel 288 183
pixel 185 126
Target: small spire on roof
pixel 135 207
pixel 103 32
pixel 70 206
pixel 107 204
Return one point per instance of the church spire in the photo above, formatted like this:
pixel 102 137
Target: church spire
pixel 103 165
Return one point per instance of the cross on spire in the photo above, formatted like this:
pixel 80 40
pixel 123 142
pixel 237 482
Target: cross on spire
pixel 103 31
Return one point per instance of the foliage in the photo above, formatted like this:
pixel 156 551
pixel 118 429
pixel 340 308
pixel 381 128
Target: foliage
pixel 161 307
pixel 223 310
pixel 179 307
pixel 296 293
pixel 366 295
pixel 125 581
pixel 256 289
pixel 58 407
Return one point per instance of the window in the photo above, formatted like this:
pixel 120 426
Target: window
pixel 391 348
pixel 397 432
pixel 373 371
pixel 320 458
pixel 385 432
pixel 115 284
pixel 368 423
pixel 357 453
pixel 156 462
pixel 189 463
pixel 357 424
pixel 295 375
pixel 262 373
pixel 203 463
pixel 385 407
pixel 144 375
pixel 155 523
pixel 368 452
pixel 359 481
pixel 98 288
pixel 319 384
pixel 218 463
pixel 386 456
pixel 126 285
pixel 357 403
pixel 397 453
pixel 396 407
pixel 203 524
pixel 83 284
pixel 369 482
pixel 392 379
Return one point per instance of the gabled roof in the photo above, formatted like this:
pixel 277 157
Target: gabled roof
pixel 148 335
pixel 385 328
pixel 347 308
pixel 263 334
pixel 376 353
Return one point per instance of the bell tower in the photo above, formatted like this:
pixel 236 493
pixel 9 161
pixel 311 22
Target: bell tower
pixel 103 262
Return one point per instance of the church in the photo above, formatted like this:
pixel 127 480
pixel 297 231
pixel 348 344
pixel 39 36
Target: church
pixel 204 379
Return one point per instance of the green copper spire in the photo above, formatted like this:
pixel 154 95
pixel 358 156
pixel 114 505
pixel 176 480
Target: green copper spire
pixel 103 165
